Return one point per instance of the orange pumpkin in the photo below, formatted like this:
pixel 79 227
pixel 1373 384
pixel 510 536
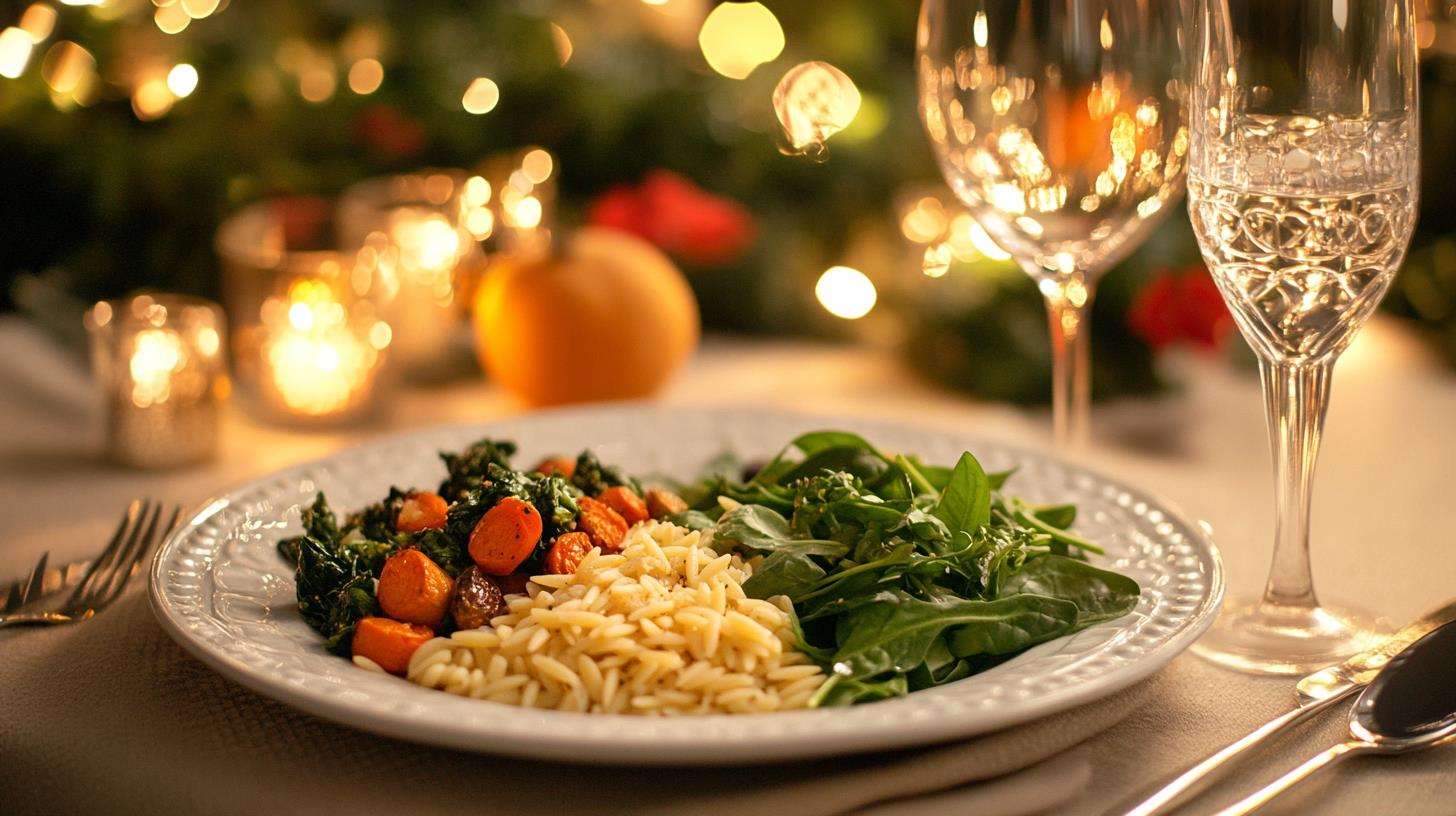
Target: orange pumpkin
pixel 610 318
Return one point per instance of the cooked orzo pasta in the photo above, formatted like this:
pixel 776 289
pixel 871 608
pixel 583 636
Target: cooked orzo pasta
pixel 663 627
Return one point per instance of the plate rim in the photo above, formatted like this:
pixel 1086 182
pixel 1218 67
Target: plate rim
pixel 559 744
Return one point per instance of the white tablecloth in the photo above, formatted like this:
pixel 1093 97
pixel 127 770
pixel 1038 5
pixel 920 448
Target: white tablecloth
pixel 1383 482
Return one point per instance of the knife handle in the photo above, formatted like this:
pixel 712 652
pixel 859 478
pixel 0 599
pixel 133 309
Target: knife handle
pixel 1197 778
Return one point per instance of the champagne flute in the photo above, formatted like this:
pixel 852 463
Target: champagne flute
pixel 1060 125
pixel 1302 192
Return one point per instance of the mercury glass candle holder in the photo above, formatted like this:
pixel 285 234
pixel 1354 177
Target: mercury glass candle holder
pixel 424 228
pixel 159 364
pixel 309 334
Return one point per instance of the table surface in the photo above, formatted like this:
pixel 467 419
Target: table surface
pixel 1388 449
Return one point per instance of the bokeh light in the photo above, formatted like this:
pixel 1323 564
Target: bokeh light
pixel 562 42
pixel 182 80
pixel 365 76
pixel 39 20
pixel 814 100
pixel 738 37
pixel 15 47
pixel 481 96
pixel 845 292
pixel 172 19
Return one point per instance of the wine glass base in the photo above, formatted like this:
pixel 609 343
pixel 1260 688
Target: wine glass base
pixel 1261 638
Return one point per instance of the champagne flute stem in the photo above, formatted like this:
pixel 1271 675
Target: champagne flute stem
pixel 1068 311
pixel 1295 397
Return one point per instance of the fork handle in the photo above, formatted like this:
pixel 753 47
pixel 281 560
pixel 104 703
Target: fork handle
pixel 1264 795
pixel 40 618
pixel 1197 778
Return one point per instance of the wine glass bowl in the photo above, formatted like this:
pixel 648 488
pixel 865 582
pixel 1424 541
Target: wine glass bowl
pixel 1060 126
pixel 1302 182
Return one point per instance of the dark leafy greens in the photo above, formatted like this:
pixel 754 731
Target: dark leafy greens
pixel 905 575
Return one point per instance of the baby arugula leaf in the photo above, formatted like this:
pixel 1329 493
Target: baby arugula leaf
pixel 809 444
pixel 1098 594
pixel 965 504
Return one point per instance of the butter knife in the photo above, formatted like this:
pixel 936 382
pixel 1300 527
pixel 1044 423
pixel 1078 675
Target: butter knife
pixel 1316 693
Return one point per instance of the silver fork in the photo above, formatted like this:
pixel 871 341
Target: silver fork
pixel 109 571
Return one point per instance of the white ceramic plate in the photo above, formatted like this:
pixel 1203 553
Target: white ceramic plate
pixel 221 590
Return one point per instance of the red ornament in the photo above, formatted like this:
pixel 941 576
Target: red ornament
pixel 1182 306
pixel 679 217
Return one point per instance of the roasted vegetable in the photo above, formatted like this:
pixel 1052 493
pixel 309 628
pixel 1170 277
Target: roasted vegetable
pixel 334 573
pixel 591 477
pixel 626 502
pixel 664 503
pixel 505 536
pixel 421 511
pixel 566 553
pixel 475 599
pixel 467 469
pixel 389 643
pixel 413 589
pixel 604 526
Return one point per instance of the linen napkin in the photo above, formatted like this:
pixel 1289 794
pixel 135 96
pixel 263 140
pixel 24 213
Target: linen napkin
pixel 110 716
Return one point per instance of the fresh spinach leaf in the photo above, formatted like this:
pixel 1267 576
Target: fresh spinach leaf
pixel 1009 624
pixel 755 527
pixel 783 572
pixel 1098 594
pixel 966 502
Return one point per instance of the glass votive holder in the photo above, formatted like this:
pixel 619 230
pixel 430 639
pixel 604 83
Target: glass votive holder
pixel 159 363
pixel 424 228
pixel 523 200
pixel 309 338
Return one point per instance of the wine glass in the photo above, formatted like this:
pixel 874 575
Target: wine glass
pixel 1302 192
pixel 1060 125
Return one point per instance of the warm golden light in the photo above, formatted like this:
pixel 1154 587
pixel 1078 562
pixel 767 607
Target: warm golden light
pixel 365 76
pixel 738 37
pixel 317 81
pixel 39 20
pixel 182 80
pixel 481 97
pixel 197 9
pixel 152 99
pixel 317 363
pixel 172 19
pixel 814 100
pixel 845 292
pixel 562 43
pixel 936 261
pixel 157 355
pixel 537 165
pixel 67 67
pixel 15 47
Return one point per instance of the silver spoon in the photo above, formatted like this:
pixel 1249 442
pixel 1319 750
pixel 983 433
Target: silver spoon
pixel 1411 705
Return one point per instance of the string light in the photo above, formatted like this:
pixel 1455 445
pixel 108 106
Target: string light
pixel 537 165
pixel 182 80
pixel 481 96
pixel 15 47
pixel 152 98
pixel 68 68
pixel 198 9
pixel 845 292
pixel 738 37
pixel 365 76
pixel 317 81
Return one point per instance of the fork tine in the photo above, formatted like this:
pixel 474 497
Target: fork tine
pixel 133 511
pixel 137 547
pixel 23 590
pixel 154 533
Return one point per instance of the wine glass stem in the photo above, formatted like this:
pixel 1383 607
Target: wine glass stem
pixel 1067 314
pixel 1295 398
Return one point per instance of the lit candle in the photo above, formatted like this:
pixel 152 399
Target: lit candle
pixel 318 357
pixel 159 364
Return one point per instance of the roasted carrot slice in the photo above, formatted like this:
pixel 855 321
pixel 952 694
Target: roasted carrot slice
pixel 627 504
pixel 663 503
pixel 390 643
pixel 559 465
pixel 505 536
pixel 566 553
pixel 421 511
pixel 414 589
pixel 604 526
